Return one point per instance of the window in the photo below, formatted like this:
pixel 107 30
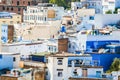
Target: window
pixel 46 60
pixel 23 2
pixel 46 72
pixel 60 62
pixel 28 3
pixel 19 9
pixel 45 18
pixel 0 56
pixel 60 74
pixel 98 73
pixel 18 22
pixel 4 22
pixel 14 59
pixel 69 45
pixel 91 17
pixel 11 22
pixel 96 63
pixel 3 8
pixel 11 8
pixel 18 3
pixel 7 8
pixel 75 72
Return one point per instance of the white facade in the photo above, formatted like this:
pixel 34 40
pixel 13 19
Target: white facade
pixel 115 75
pixel 59 69
pixel 106 19
pixel 108 5
pixel 25 48
pixel 96 4
pixel 118 11
pixel 28 48
pixel 78 42
pixel 39 14
pixel 76 5
pixel 101 6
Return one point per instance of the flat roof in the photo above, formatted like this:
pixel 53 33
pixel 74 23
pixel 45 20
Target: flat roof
pixel 41 54
pixel 23 43
pixel 66 54
pixel 7 53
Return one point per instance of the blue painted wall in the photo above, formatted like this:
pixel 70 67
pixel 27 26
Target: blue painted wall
pixel 4 33
pixel 6 61
pixel 105 60
pixel 38 58
pixel 91 44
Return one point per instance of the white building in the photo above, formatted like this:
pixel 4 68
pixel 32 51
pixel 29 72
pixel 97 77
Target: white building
pixel 78 41
pixel 108 5
pixel 96 4
pixel 28 48
pixel 76 5
pixel 115 75
pixel 102 20
pixel 118 11
pixel 42 13
pixel 62 66
pixel 100 6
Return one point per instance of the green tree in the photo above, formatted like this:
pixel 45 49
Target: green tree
pixel 115 66
pixel 108 12
pixel 64 3
pixel 58 2
pixel 115 12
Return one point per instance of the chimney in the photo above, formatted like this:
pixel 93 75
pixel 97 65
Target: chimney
pixel 84 72
pixel 63 44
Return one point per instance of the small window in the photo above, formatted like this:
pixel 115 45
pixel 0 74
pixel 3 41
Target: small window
pixel 60 74
pixel 18 3
pixel 46 60
pixel 11 8
pixel 46 72
pixel 14 59
pixel 3 8
pixel 23 2
pixel 75 72
pixel 7 8
pixel 91 17
pixel 0 56
pixel 18 22
pixel 19 9
pixel 60 62
pixel 28 3
pixel 69 45
pixel 98 73
pixel 4 22
pixel 11 22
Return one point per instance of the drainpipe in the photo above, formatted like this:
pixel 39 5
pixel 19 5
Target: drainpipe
pixel 73 65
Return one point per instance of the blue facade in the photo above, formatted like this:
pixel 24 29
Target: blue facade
pixel 5 15
pixel 6 61
pixel 38 58
pixel 98 44
pixel 4 33
pixel 105 60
